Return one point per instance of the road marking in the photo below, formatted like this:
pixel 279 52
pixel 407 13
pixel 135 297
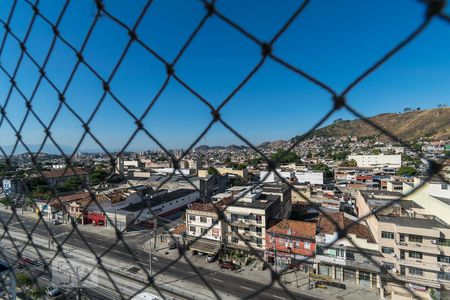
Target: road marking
pixel 216 279
pixel 246 288
pixel 278 297
pixel 193 273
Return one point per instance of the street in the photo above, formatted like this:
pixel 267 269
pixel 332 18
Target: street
pixel 226 284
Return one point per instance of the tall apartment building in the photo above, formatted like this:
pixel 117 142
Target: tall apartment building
pixel 415 246
pixel 250 214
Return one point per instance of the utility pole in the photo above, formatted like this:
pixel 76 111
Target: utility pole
pixel 49 224
pixel 150 245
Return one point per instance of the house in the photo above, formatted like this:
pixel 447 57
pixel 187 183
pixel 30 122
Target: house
pixel 291 243
pixel 204 228
pixel 59 177
pixel 352 259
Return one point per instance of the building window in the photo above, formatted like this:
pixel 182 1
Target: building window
pixel 443 242
pixel 387 250
pixel 203 219
pixel 324 270
pixel 415 238
pixel 193 229
pixel 444 259
pixel 259 242
pixel 192 218
pixel 350 255
pixel 443 276
pixel 416 271
pixel 402 237
pixel 234 228
pixel 306 245
pixel 204 230
pixel 235 240
pixel 387 235
pixel 444 186
pixel 388 266
pixel 340 253
pixel 258 219
pixel 414 254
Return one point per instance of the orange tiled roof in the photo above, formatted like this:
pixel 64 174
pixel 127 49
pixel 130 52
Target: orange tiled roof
pixel 179 229
pixel 301 229
pixel 327 226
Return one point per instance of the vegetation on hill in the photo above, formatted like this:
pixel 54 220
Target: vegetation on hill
pixel 409 126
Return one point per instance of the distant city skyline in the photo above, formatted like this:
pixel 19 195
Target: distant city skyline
pixel 334 42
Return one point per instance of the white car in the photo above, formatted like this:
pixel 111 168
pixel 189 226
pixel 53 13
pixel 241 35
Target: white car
pixel 55 222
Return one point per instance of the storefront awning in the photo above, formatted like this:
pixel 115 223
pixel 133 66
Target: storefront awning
pixel 205 246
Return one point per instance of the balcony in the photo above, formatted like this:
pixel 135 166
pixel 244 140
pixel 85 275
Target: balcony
pixel 418 263
pixel 364 265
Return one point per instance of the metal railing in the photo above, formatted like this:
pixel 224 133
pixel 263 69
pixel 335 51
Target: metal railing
pixel 433 9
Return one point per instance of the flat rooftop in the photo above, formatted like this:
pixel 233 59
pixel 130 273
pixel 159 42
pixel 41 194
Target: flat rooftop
pixel 152 202
pixel 414 222
pixel 262 202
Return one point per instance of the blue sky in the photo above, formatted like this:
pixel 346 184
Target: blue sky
pixel 334 41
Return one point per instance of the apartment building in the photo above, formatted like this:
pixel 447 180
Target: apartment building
pixel 433 196
pixel 415 246
pixel 249 215
pixel 339 259
pixel 291 243
pixel 285 192
pixel 59 177
pixel 204 228
pixel 379 161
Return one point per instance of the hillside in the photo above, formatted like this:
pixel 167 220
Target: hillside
pixel 431 123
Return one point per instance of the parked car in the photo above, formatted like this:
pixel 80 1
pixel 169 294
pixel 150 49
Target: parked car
pixel 53 291
pixel 173 245
pixel 229 265
pixel 23 261
pixel 55 222
pixel 212 257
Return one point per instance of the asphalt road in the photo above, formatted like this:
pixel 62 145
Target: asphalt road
pixel 227 283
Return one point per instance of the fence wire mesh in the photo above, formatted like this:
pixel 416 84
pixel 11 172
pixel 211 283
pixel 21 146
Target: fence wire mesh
pixel 432 10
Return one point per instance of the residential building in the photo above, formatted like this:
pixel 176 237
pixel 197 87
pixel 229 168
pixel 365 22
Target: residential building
pixel 415 246
pixel 352 259
pixel 285 192
pixel 204 227
pixel 291 243
pixel 249 214
pixel 379 161
pixel 59 177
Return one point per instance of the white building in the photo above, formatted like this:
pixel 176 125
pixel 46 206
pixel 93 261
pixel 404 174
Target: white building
pixel 377 161
pixel 312 177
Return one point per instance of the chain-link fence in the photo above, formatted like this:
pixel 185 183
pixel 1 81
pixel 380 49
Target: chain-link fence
pixel 17 251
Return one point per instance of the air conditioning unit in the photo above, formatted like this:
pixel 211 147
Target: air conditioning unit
pixel 433 242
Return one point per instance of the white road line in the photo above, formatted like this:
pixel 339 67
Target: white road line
pixel 193 272
pixel 246 288
pixel 216 279
pixel 278 296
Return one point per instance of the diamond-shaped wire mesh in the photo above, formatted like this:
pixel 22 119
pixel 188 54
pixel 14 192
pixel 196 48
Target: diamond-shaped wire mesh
pixel 18 251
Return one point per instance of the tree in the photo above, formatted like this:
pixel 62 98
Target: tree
pixel 98 175
pixel 376 151
pixel 255 161
pixel 282 156
pixel 406 171
pixel 212 170
pixel 349 163
pixel 341 155
pixel 407 109
pixel 71 184
pixel 327 173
